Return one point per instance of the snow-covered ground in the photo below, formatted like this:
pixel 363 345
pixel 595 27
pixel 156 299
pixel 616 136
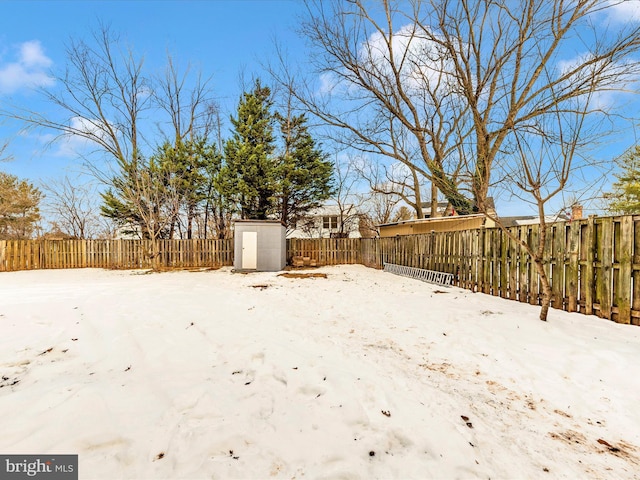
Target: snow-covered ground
pixel 360 375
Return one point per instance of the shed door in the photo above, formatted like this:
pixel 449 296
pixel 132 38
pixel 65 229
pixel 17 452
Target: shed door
pixel 249 250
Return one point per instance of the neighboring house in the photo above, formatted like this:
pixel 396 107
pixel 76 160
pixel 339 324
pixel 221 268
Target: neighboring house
pixel 441 210
pixel 329 221
pixel 445 210
pixel 574 214
pixel 531 220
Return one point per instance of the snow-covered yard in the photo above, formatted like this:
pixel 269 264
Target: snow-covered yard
pixel 362 374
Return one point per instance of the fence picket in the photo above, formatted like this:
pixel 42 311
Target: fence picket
pixel 622 285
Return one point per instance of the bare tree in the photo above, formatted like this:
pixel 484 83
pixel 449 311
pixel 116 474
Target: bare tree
pixel 472 85
pixel 442 85
pixel 3 147
pixel 73 207
pixel 543 161
pixel 188 102
pixel 396 181
pixel 105 98
pixel 378 208
pixel 193 115
pixel 385 91
pixel 102 97
pixel 345 197
pixel 533 114
pixel 145 201
pixel 342 207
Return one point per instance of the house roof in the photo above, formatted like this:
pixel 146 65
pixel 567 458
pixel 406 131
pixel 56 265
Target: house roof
pixel 530 219
pixel 326 210
pixel 239 220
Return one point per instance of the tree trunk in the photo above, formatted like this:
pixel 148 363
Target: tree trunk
pixel 284 215
pixel 190 217
pixel 547 294
pixel 206 220
pixel 434 200
pixel 155 254
pixel 418 194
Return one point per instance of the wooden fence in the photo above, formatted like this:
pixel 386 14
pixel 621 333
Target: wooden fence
pixel 328 251
pixel 42 254
pixel 593 264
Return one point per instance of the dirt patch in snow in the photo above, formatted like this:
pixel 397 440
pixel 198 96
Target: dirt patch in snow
pixel 303 275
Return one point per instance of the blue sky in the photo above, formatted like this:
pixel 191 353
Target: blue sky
pixel 224 39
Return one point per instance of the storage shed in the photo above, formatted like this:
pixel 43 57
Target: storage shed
pixel 259 245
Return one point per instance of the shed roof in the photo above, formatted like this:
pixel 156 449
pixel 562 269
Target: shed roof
pixel 257 221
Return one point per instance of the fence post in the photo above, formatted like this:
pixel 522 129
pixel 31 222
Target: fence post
pixel 3 255
pixel 603 280
pixel 635 306
pixel 485 262
pixel 496 247
pixel 622 288
pixel 558 249
pixel 572 266
pixel 588 243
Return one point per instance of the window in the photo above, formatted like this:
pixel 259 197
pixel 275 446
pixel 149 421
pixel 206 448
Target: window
pixel 330 223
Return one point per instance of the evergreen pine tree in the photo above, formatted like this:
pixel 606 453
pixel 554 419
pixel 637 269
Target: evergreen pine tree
pixel 191 159
pixel 218 208
pixel 144 199
pixel 250 166
pixel 625 198
pixel 304 175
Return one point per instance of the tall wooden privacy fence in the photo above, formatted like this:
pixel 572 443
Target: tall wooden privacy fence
pixel 42 254
pixel 593 264
pixel 328 251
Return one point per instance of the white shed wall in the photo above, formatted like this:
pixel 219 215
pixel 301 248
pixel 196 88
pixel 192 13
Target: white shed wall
pixel 271 244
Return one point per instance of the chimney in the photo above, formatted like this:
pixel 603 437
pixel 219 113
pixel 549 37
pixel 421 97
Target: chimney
pixel 576 211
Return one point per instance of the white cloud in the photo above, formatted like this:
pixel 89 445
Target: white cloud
pixel 327 82
pixel 68 145
pixel 28 71
pixel 72 145
pixel 622 77
pixel 32 55
pixel 425 64
pixel 626 11
pixel 566 66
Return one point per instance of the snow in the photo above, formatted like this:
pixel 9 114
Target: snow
pixel 360 375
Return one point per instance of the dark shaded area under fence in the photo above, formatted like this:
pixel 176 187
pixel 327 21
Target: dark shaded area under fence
pixel 593 264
